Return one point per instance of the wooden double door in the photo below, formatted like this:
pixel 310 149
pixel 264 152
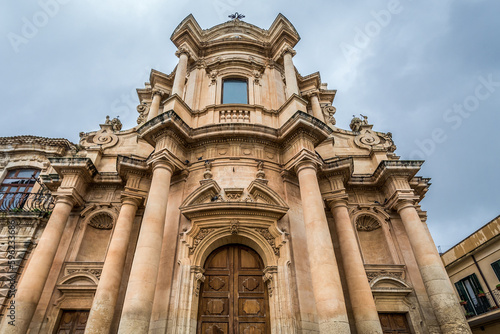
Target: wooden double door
pixel 233 298
pixel 73 322
pixel 394 323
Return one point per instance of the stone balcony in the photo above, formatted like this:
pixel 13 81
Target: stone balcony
pixel 235 113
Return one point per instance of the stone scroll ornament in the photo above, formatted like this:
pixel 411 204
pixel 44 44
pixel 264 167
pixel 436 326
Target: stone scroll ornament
pixel 367 138
pixel 105 137
pixel 328 112
pixel 143 110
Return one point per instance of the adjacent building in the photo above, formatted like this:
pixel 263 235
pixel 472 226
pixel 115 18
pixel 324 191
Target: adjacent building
pixel 236 205
pixel 474 269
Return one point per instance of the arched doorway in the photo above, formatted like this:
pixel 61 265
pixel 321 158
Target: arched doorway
pixel 233 298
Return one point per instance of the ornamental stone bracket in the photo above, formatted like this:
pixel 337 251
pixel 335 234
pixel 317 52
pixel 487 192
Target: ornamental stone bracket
pixel 198 278
pixel 268 278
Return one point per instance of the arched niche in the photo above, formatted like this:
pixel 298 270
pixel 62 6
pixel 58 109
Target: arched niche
pixel 372 240
pixel 96 236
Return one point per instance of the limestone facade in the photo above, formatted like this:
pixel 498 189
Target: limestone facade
pixel 308 228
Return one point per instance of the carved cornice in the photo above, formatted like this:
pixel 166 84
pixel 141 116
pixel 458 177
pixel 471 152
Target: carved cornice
pixel 35 140
pixel 342 168
pixel 81 166
pixel 310 125
pixel 386 169
pixel 127 165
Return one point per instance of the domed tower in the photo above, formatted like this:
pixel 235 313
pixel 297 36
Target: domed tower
pixel 236 206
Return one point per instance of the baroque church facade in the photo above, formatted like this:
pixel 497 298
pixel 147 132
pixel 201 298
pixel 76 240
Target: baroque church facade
pixel 234 206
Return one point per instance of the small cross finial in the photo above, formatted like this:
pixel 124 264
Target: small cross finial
pixel 236 16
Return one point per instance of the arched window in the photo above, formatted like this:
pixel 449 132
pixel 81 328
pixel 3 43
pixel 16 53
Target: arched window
pixel 234 90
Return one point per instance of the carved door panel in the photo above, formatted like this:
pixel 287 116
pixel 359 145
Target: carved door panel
pixel 394 323
pixel 72 322
pixel 233 298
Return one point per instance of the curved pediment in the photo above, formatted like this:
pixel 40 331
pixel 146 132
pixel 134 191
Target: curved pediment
pixel 262 193
pixel 210 198
pixel 79 278
pixel 390 285
pixel 204 194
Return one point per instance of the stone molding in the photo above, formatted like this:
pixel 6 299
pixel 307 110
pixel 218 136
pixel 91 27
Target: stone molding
pixel 58 146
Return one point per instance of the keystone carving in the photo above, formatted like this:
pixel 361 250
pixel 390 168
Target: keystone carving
pixel 234 225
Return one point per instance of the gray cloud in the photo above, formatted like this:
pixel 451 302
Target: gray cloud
pixel 87 59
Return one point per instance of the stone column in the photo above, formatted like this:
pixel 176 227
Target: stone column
pixel 327 289
pixel 139 298
pixel 363 305
pixel 31 286
pixel 290 77
pixel 316 107
pixel 180 72
pixel 155 104
pixel 103 307
pixel 441 295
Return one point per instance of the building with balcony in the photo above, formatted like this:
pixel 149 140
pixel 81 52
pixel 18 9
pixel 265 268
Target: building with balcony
pixel 474 269
pixel 236 205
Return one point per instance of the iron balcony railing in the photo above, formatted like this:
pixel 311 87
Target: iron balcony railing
pixel 40 202
pixel 482 303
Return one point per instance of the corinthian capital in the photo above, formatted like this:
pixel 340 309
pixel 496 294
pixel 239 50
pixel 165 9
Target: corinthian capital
pixel 157 91
pixel 288 49
pixel 182 50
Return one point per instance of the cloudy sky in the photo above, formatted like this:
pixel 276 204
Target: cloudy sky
pixel 427 71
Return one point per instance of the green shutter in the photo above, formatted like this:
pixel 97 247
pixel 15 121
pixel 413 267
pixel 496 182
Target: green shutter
pixel 496 268
pixel 461 291
pixel 475 284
